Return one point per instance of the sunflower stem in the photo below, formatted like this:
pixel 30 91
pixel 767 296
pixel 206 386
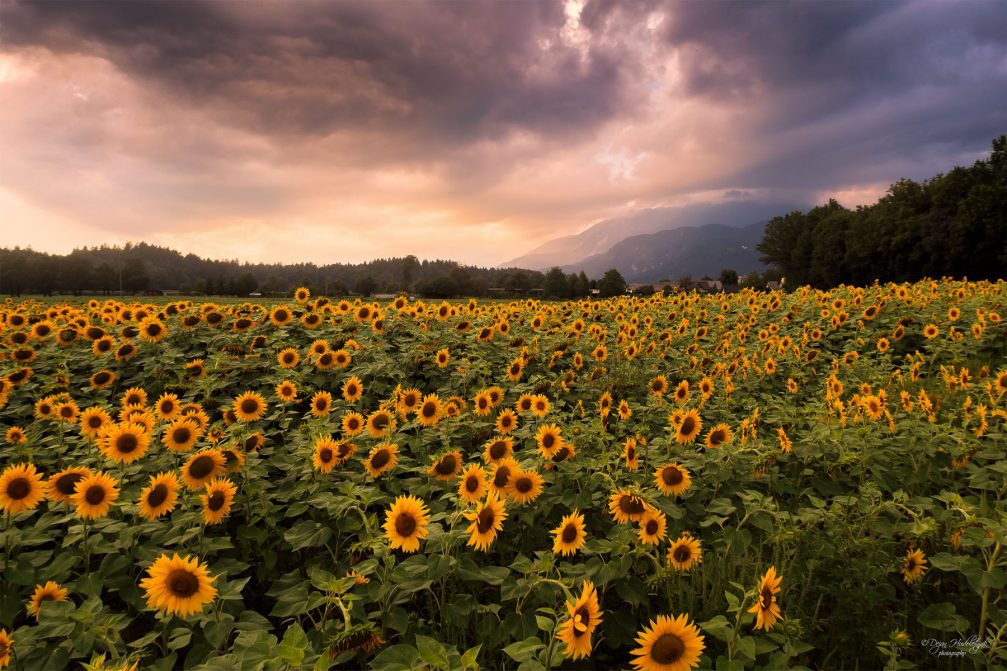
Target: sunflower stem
pixel 984 613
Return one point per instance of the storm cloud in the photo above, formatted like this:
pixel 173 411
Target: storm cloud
pixel 332 131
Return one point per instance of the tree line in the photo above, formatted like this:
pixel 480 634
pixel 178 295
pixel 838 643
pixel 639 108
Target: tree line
pixel 953 225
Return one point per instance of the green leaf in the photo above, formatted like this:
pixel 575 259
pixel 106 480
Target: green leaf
pixel 399 657
pixel 432 652
pixel 746 646
pixel 524 650
pixel 293 646
pixel 718 627
pixel 469 657
pixel 942 616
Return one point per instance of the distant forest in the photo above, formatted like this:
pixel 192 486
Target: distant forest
pixel 952 225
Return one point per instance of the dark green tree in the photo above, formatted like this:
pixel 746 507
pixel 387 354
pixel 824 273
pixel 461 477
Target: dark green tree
pixel 611 284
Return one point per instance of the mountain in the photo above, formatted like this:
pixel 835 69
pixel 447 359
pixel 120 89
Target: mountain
pixel 689 250
pixel 600 237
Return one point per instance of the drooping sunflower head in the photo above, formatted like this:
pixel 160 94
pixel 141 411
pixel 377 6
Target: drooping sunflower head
pixel 718 436
pixel 178 586
pixel 486 520
pixel 766 608
pixel 405 523
pixel 20 488
pixel 688 428
pixel 585 616
pixel 503 471
pixel 380 423
pixel 914 566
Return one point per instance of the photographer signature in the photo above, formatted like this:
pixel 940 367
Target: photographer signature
pixel 956 647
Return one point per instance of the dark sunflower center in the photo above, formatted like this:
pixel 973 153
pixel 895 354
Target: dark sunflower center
pixel 585 619
pixel 216 501
pixel 153 329
pixel 351 390
pixel 656 385
pixel 281 315
pixel 501 477
pixel 717 437
pixel 523 485
pixel 562 454
pixel 343 450
pixel 471 484
pixel 46 596
pixel 631 454
pixel 688 426
pixel 66 411
pixel 485 520
pixel 525 405
pixel 126 443
pixel 506 421
pixel 18 488
pixel 667 649
pixel 548 440
pixel 405 525
pixel 671 476
pixel 447 465
pixel 651 527
pixel 766 598
pixel 321 404
pixel 201 467
pixel 181 435
pixel 353 424
pixel 498 450
pixel 631 505
pixel 429 410
pixel 515 369
pixel 288 357
pixel 101 377
pixel 95 494
pixel 182 584
pixel 910 564
pixel 410 400
pixel 249 406
pixel 682 554
pixel 65 483
pixel 569 533
pixel 157 495
pixel 380 422
pixel 325 454
pixel 381 457
pixel 325 359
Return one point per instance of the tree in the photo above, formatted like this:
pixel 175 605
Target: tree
pixel 583 285
pixel 729 278
pixel 611 284
pixel 366 285
pixel 134 275
pixel 555 284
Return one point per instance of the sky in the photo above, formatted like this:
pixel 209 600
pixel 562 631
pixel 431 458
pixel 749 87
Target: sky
pixel 474 131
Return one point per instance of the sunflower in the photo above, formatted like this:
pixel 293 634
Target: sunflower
pixel 202 467
pixel 288 358
pixel 217 500
pixel 930 331
pixel 152 330
pixel 159 497
pixel 718 436
pixel 515 369
pixel 249 407
pixel 624 411
pixel 447 467
pixel 682 392
pixel 658 386
pixel 630 454
pixel 407 401
pixel 430 411
pixel 548 440
pixel 503 471
pixel 94 494
pixel 473 485
pixel 45 408
pixel 167 406
pixel 605 405
pixel 766 608
pixel 20 488
pixel 341 358
pixel 92 421
pixel 652 527
pixel 286 391
pixel 181 435
pixel 406 523
pixel 321 404
pixel 672 479
pixel 506 421
pixel 669 644
pixel 6 645
pixel 482 403
pixel 325 456
pixel 126 350
pixel 487 519
pixel 15 435
pixel 134 396
pixel 914 566
pixel 125 442
pixel 873 406
pixel 381 459
pixel 67 411
pixel 102 379
pixel 353 423
pixel 178 586
pixel 688 427
pixel 380 423
pixel 442 357
pixel 539 405
pixel 524 487
pixel 685 552
pixel 585 616
pixel 524 403
pixel 627 507
pixel 570 534
pixel 353 390
pixel 50 591
pixel 281 315
pixel 302 294
pixel 785 444
pixel 59 487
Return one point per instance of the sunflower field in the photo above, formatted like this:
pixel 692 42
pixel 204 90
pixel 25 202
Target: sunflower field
pixel 728 481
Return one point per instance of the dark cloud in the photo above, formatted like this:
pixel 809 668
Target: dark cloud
pixel 459 71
